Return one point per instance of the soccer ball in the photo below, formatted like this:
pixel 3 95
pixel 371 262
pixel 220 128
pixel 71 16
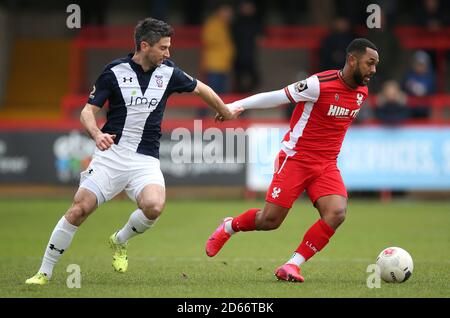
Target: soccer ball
pixel 396 265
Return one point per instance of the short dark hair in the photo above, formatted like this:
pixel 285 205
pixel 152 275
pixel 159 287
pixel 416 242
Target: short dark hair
pixel 151 30
pixel 359 46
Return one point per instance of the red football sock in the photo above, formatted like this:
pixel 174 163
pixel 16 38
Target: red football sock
pixel 315 239
pixel 245 221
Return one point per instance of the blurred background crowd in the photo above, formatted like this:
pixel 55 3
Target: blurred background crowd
pixel 236 47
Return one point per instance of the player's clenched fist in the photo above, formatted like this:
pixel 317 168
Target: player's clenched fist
pixel 104 141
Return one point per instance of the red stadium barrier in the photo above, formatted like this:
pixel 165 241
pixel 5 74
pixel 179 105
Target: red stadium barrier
pixel 275 37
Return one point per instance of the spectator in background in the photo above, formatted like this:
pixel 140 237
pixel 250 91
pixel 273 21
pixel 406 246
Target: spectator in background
pixel 433 15
pixel 430 14
pixel 218 48
pixel 333 47
pixel 391 104
pixel 246 29
pixel 420 81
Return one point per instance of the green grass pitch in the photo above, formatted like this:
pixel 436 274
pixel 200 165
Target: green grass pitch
pixel 169 260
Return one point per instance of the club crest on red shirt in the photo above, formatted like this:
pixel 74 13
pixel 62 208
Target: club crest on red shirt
pixel 359 99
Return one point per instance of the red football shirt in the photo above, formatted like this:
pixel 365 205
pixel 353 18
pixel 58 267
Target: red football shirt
pixel 326 107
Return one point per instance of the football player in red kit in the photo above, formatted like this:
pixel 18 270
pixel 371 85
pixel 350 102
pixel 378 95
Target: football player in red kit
pixel 327 103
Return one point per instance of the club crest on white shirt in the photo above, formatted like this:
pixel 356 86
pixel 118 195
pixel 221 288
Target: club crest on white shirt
pixel 159 80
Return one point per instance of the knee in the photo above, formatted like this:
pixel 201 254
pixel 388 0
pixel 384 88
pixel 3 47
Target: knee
pixel 151 208
pixel 78 212
pixel 335 217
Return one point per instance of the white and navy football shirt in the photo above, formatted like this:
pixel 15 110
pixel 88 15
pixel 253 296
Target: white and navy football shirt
pixel 137 100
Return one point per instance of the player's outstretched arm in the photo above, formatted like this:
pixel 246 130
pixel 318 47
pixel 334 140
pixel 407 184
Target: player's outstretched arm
pixel 262 100
pixel 307 90
pixel 87 118
pixel 213 100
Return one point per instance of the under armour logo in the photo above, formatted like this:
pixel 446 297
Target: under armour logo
pixel 359 99
pixel 52 247
pixel 92 93
pixel 275 193
pixel 90 171
pixel 127 79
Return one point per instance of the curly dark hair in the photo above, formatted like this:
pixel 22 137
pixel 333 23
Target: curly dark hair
pixel 151 30
pixel 359 46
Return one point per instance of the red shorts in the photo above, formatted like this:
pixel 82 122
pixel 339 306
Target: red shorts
pixel 293 175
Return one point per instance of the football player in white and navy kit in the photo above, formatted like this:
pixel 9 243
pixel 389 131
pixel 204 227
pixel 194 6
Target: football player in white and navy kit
pixel 137 88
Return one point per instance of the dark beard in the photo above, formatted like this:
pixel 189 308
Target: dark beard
pixel 358 78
